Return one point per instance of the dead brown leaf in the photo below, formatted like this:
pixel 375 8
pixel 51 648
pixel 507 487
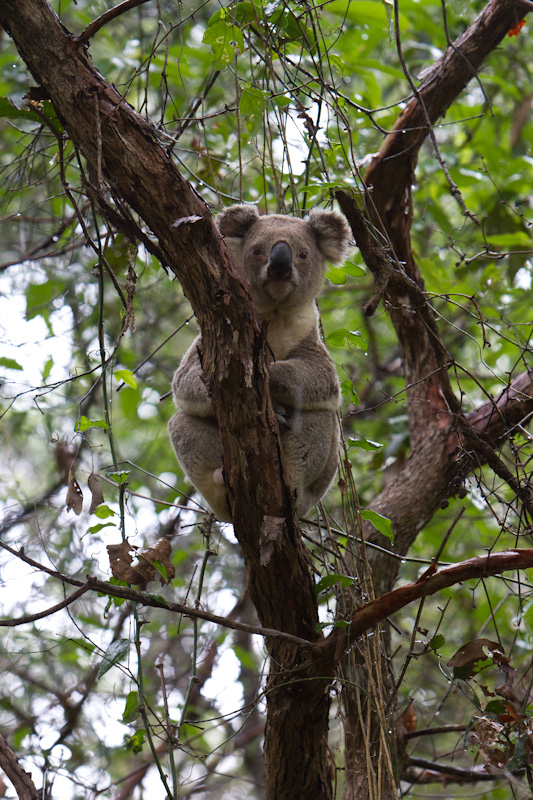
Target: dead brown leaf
pixel 96 491
pixel 74 498
pixel 120 560
pixel 159 553
pixel 476 650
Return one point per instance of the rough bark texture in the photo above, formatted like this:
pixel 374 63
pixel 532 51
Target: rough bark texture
pixel 126 161
pixel 21 780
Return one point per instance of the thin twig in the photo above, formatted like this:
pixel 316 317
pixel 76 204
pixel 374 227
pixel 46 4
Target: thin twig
pixel 106 17
pixel 12 623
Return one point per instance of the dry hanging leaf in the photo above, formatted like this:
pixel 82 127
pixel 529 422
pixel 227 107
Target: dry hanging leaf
pixel 74 499
pixel 159 552
pixel 476 650
pixel 121 561
pixel 65 456
pixel 96 491
pixel 409 718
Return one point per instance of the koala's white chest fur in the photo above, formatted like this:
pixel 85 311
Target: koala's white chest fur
pixel 286 329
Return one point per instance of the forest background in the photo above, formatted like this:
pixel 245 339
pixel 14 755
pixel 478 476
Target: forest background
pixel 153 675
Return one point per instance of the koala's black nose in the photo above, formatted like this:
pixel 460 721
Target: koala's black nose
pixel 280 262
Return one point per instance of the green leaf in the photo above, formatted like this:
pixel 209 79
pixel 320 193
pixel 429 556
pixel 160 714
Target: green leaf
pixel 517 239
pixel 436 642
pixel 9 109
pixel 282 101
pixel 349 392
pixel 521 752
pixel 9 363
pixel 224 38
pixel 329 580
pixel 242 14
pixel 127 376
pixel 383 524
pixel 131 711
pixel 159 598
pixel 47 369
pixel 136 742
pixel 116 652
pixel 100 526
pixel 104 512
pixel 119 477
pixel 364 12
pixel 84 423
pixel 160 567
pixel 284 23
pixel 343 624
pixel 252 105
pixel 354 269
pixel 336 275
pixel 38 299
pixel 245 658
pixel 364 444
pixel 339 337
pixel 495 707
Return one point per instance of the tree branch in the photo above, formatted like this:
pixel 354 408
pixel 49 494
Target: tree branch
pixel 12 623
pixel 106 17
pixel 446 773
pixel 21 780
pixel 378 610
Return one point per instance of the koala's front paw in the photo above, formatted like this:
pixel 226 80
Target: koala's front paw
pixel 284 415
pixel 283 384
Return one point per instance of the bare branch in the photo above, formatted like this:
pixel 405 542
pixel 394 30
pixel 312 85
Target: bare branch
pixel 106 17
pixel 12 623
pixel 446 773
pixel 479 567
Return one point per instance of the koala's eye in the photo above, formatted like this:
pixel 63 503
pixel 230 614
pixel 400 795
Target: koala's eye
pixel 303 254
pixel 256 251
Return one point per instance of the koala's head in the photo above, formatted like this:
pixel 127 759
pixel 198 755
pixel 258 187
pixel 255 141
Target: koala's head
pixel 283 257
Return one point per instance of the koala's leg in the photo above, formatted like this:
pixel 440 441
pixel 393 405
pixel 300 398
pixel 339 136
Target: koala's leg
pixel 196 442
pixel 311 450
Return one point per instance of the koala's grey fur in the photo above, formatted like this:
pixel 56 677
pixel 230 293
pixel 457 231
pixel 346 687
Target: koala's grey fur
pixel 283 259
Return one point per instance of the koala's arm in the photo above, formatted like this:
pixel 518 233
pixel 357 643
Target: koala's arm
pixel 188 387
pixel 306 380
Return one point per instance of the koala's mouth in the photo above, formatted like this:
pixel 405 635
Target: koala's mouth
pixel 278 288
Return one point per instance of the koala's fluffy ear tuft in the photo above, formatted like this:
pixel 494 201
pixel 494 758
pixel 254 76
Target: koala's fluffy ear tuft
pixel 236 221
pixel 332 233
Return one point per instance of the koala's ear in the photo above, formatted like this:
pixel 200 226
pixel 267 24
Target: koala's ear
pixel 332 234
pixel 236 221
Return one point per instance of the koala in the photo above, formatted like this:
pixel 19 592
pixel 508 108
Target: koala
pixel 283 259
